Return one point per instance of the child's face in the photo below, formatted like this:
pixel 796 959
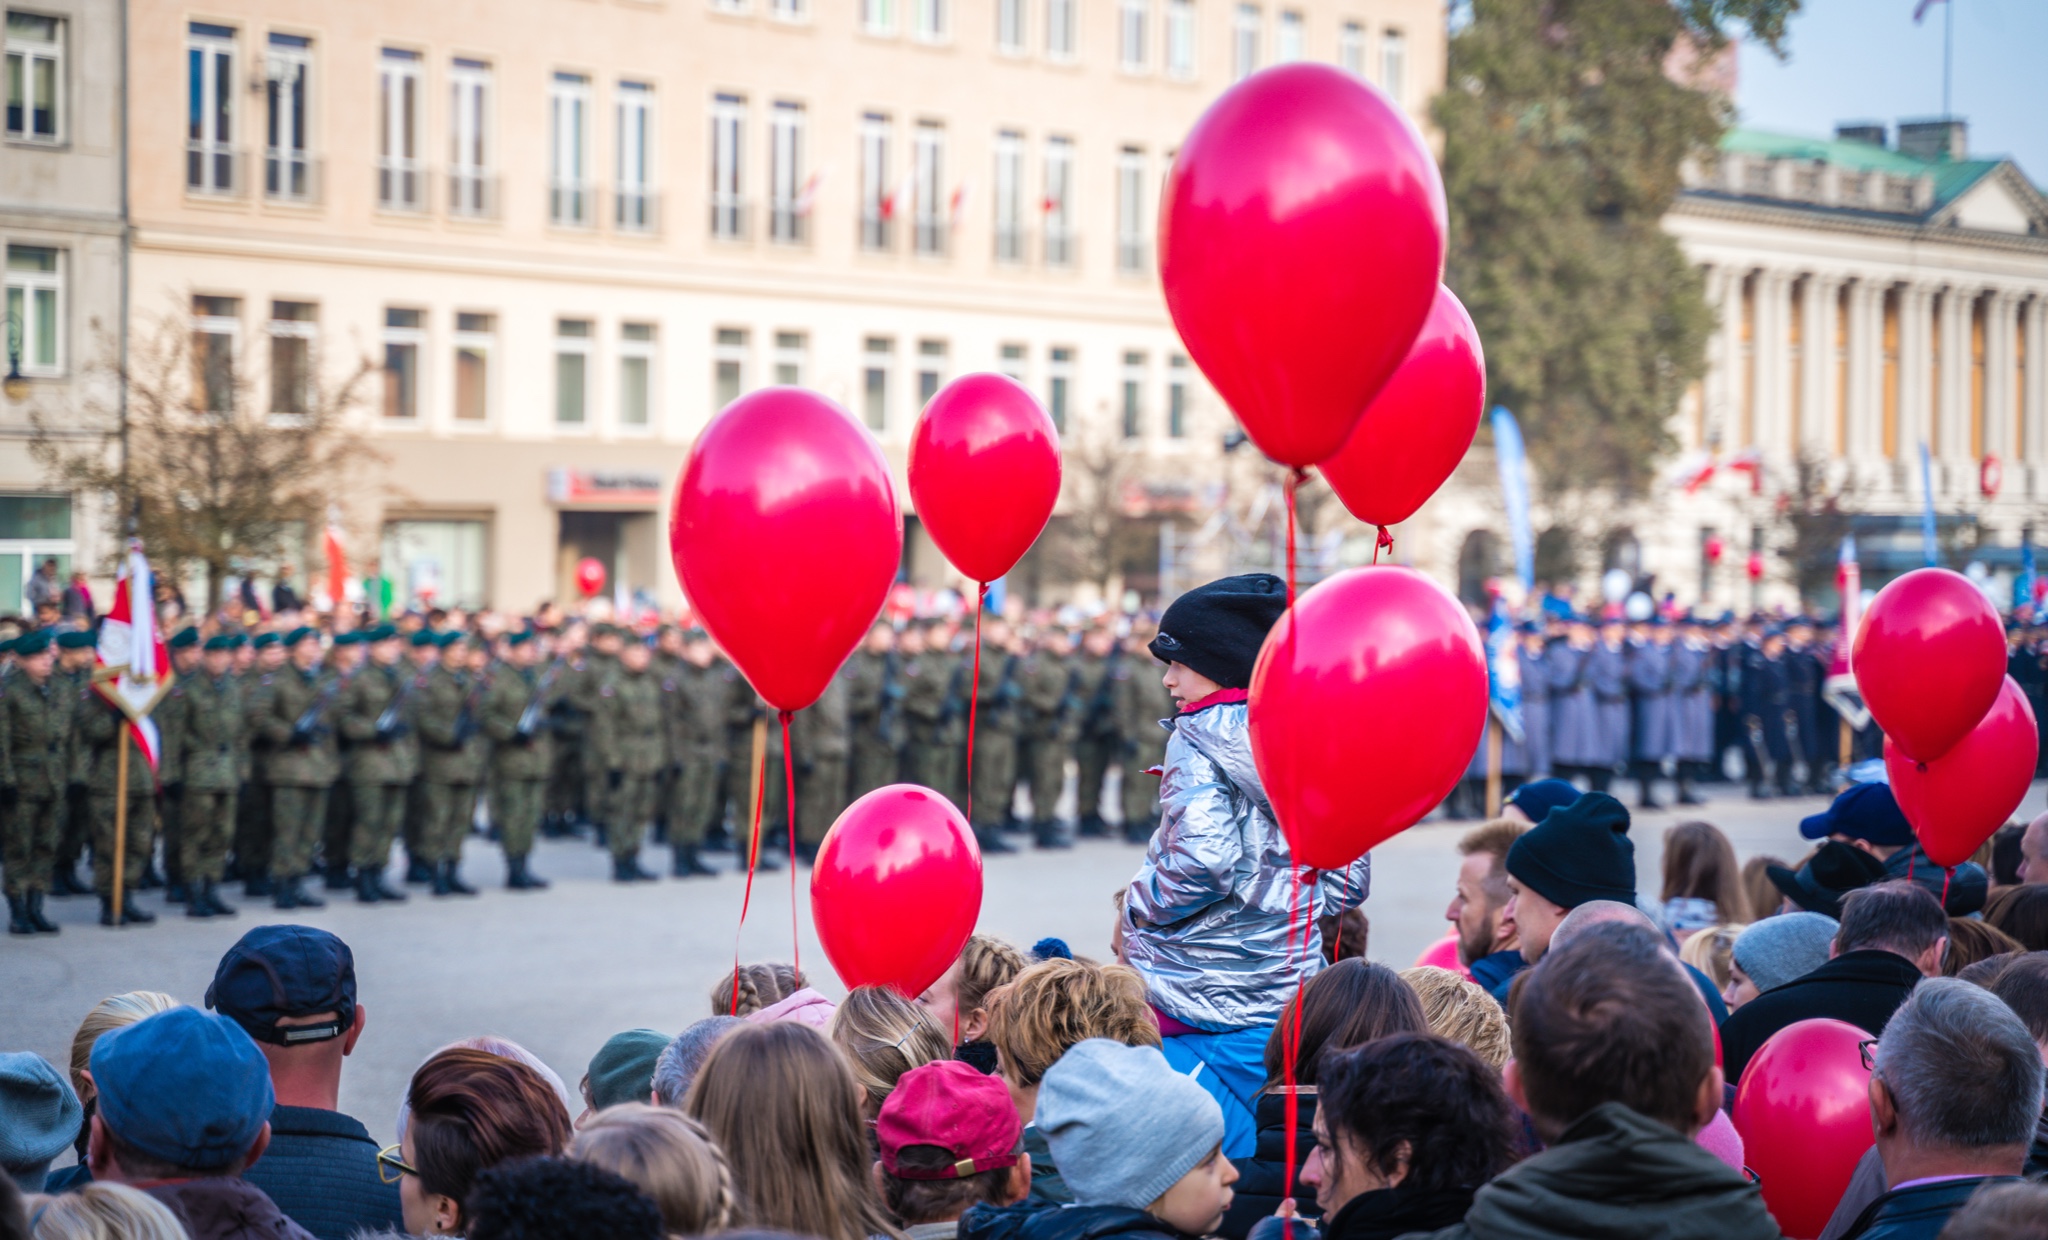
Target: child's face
pixel 1196 1203
pixel 942 1001
pixel 1188 685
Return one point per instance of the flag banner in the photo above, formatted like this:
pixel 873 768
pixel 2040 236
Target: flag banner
pixel 1504 671
pixel 1514 488
pixel 132 669
pixel 336 552
pixel 1928 543
pixel 1849 584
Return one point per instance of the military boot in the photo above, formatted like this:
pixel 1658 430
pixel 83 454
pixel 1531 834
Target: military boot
pixel 64 881
pixel 690 864
pixel 453 873
pixel 152 880
pixel 337 878
pixel 216 906
pixel 366 888
pixel 44 925
pixel 385 891
pixel 131 915
pixel 178 893
pixel 1093 827
pixel 305 898
pixel 1048 834
pixel 992 841
pixel 17 916
pixel 418 871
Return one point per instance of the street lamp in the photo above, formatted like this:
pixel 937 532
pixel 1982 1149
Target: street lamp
pixel 16 383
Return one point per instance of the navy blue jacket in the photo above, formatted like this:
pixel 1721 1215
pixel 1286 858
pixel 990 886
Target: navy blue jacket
pixel 321 1170
pixel 1920 1212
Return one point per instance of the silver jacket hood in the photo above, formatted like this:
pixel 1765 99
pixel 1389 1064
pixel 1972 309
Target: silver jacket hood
pixel 1205 920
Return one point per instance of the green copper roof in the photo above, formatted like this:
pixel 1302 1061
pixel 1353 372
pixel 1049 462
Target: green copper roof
pixel 1951 176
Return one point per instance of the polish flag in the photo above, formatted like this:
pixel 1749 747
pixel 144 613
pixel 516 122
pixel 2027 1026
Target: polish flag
pixel 132 669
pixel 807 197
pixel 337 561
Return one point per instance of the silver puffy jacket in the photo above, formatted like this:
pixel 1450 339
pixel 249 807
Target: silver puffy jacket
pixel 1206 917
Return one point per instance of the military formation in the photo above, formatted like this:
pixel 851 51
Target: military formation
pixel 297 762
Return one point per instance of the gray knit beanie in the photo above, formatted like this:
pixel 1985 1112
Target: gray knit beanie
pixel 1777 949
pixel 1122 1124
pixel 39 1117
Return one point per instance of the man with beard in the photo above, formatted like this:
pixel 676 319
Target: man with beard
pixel 1487 947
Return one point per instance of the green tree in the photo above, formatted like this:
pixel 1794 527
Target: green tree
pixel 1564 128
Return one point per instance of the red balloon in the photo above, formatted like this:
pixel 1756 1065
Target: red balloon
pixel 1301 238
pixel 1417 429
pixel 589 575
pixel 1366 706
pixel 984 472
pixel 786 535
pixel 1803 1109
pixel 1958 800
pixel 896 889
pixel 1929 658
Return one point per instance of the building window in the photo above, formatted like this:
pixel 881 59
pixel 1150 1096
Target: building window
pixel 729 6
pixel 1177 397
pixel 1351 47
pixel 1244 42
pixel 287 167
pixel 1059 29
pixel 931 370
pixel 569 191
pixel 210 164
pixel 635 209
pixel 1009 196
pixel 1010 27
pixel 35 78
pixel 792 357
pixel 1012 362
pixel 1059 190
pixel 878 16
pixel 729 366
pixel 789 10
pixel 35 302
pixel 931 20
pixel 434 563
pixel 929 188
pixel 471 189
pixel 728 138
pixel 1287 42
pixel 789 200
pixel 402 340
pixel 880 352
pixel 401 177
pixel 294 328
pixel 34 529
pixel 1059 372
pixel 1180 37
pixel 572 371
pixel 1130 210
pixel 876 203
pixel 636 374
pixel 216 327
pixel 475 336
pixel 1130 30
pixel 1134 395
pixel 1394 66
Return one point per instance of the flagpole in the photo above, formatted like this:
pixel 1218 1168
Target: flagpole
pixel 120 823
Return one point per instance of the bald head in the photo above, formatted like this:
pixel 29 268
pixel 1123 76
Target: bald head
pixel 1600 912
pixel 2034 852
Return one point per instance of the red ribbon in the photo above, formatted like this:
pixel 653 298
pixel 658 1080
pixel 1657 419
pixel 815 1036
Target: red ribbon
pixel 789 809
pixel 974 697
pixel 753 858
pixel 1385 540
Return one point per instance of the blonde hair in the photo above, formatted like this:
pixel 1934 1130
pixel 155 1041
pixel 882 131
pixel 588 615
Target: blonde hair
pixel 758 986
pixel 985 964
pixel 1711 950
pixel 115 1012
pixel 672 1159
pixel 1460 1010
pixel 883 1036
pixel 103 1212
pixel 1056 1003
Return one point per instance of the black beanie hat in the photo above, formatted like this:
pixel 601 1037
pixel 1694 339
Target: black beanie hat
pixel 1578 853
pixel 1217 628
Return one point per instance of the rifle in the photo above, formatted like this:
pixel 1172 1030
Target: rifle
pixel 306 730
pixel 1070 700
pixel 951 709
pixel 465 718
pixel 1101 720
pixel 391 721
pixel 530 718
pixel 888 719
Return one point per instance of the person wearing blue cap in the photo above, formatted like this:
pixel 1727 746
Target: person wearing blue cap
pixel 183 1109
pixel 35 764
pixel 1868 817
pixel 39 1118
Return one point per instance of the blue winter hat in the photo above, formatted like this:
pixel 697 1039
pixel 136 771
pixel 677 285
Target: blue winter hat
pixel 1538 797
pixel 186 1087
pixel 39 1115
pixel 1123 1126
pixel 1867 812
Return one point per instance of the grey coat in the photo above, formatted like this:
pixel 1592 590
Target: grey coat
pixel 1649 682
pixel 1575 720
pixel 1607 673
pixel 1536 711
pixel 1692 697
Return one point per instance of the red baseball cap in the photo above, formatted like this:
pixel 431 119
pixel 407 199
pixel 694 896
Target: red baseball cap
pixel 955 1107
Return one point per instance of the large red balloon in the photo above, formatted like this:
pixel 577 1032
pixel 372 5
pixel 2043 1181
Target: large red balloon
pixel 984 472
pixel 1803 1109
pixel 1929 658
pixel 787 536
pixel 1958 800
pixel 1417 429
pixel 1301 238
pixel 896 889
pixel 589 575
pixel 1366 706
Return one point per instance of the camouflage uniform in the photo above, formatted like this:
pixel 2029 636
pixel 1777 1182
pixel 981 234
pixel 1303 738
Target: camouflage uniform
pixel 626 732
pixel 100 726
pixel 1100 743
pixel 253 811
pixel 995 740
pixel 696 727
pixel 874 695
pixel 1141 701
pixel 213 732
pixel 382 762
pixel 820 746
pixel 1050 721
pixel 35 770
pixel 304 763
pixel 515 717
pixel 451 766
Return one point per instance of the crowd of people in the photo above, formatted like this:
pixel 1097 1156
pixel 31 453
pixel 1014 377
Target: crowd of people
pixel 1232 1066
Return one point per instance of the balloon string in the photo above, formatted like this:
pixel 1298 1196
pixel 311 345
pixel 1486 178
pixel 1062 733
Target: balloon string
pixel 1385 540
pixel 1290 1037
pixel 753 858
pixel 1294 480
pixel 1947 872
pixel 974 697
pixel 789 807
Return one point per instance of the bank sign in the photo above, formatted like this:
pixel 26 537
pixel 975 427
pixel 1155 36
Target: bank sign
pixel 604 486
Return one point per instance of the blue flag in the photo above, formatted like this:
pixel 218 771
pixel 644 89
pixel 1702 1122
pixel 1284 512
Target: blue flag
pixel 2023 584
pixel 1504 671
pixel 1928 545
pixel 1514 488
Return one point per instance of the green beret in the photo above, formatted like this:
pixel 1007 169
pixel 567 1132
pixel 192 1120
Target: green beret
pixel 240 640
pixel 424 637
pixel 220 641
pixel 380 633
pixel 520 638
pixel 300 634
pixel 185 637
pixel 76 639
pixel 264 639
pixel 32 643
pixel 449 638
pixel 354 637
pixel 7 647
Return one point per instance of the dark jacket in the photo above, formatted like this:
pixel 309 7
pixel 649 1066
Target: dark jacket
pixel 225 1208
pixel 1862 987
pixel 1617 1174
pixel 1920 1212
pixel 2037 1154
pixel 1496 972
pixel 1048 1186
pixel 321 1169
pixel 1261 1178
pixel 1962 890
pixel 1031 1221
pixel 1383 1215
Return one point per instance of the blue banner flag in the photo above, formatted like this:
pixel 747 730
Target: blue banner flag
pixel 1514 489
pixel 1504 671
pixel 2023 584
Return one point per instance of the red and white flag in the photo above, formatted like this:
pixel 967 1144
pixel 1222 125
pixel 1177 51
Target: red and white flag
pixel 132 668
pixel 337 562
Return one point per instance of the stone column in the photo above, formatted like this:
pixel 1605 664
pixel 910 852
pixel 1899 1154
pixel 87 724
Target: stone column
pixel 1864 439
pixel 1817 378
pixel 2034 396
pixel 1773 342
pixel 1724 387
pixel 2001 420
pixel 1952 446
pixel 1916 357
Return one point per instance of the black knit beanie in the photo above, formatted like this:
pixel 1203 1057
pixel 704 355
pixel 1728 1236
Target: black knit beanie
pixel 1578 853
pixel 1217 628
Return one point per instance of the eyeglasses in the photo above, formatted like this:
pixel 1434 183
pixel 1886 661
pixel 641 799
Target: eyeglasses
pixel 391 1165
pixel 1868 1049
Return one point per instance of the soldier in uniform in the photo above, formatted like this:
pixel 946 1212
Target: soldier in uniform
pixel 995 736
pixel 1804 674
pixel 565 806
pixel 1764 688
pixel 626 731
pixel 820 746
pixel 1532 661
pixel 451 761
pixel 376 717
pixel 696 727
pixel 1607 673
pixel 1142 703
pixel 515 717
pixel 74 672
pixel 1099 744
pixel 1049 724
pixel 344 660
pixel 254 815
pixel 171 723
pixel 956 668
pixel 35 769
pixel 213 732
pixel 1649 682
pixel 585 687
pixel 874 695
pixel 100 726
pixel 1692 665
pixel 304 762
pixel 423 653
pixel 1575 721
pixel 923 677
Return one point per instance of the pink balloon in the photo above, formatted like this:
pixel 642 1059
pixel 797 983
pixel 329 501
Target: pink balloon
pixel 1443 954
pixel 1418 428
pixel 1929 658
pixel 1301 238
pixel 1960 799
pixel 1367 702
pixel 896 889
pixel 984 472
pixel 1803 1110
pixel 786 535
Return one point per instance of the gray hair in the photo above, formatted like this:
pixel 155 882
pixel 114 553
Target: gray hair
pixel 1962 1070
pixel 1600 912
pixel 680 1060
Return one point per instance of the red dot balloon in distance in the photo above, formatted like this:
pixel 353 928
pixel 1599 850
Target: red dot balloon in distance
pixel 896 889
pixel 787 536
pixel 589 575
pixel 1929 658
pixel 1417 429
pixel 1958 800
pixel 984 472
pixel 1367 702
pixel 1301 239
pixel 1803 1109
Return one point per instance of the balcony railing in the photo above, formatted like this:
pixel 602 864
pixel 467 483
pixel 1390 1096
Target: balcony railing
pixel 786 224
pixel 215 169
pixel 401 184
pixel 1062 247
pixel 572 204
pixel 877 231
pixel 731 217
pixel 290 176
pixel 472 194
pixel 636 209
pixel 930 234
pixel 1012 242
